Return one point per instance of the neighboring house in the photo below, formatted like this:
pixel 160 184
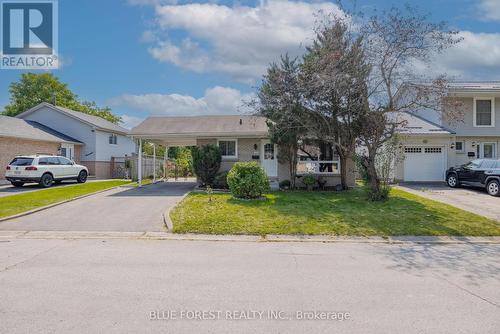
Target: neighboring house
pixel 432 143
pixel 22 137
pixel 101 139
pixel 240 138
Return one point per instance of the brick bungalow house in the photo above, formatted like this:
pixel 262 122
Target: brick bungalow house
pixel 22 137
pixel 241 138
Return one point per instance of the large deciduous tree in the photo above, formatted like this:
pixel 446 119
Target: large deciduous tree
pixel 334 83
pixel 280 100
pixel 33 89
pixel 395 41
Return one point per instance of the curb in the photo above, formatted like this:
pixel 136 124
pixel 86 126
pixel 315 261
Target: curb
pixel 26 213
pixel 396 240
pixel 167 222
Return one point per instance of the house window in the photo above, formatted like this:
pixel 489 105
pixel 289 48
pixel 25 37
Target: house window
pixel 113 139
pixel 487 151
pixel 460 147
pixel 484 112
pixel 228 148
pixel 319 159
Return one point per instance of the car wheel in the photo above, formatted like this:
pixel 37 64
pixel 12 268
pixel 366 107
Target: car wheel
pixel 46 181
pixel 82 177
pixel 452 181
pixel 493 188
pixel 17 184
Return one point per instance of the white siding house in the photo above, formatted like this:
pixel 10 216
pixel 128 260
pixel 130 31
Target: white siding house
pixel 94 132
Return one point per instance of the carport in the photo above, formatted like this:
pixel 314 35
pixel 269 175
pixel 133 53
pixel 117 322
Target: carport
pixel 166 142
pixel 192 131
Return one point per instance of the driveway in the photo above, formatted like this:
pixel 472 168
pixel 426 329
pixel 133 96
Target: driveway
pixel 468 199
pixel 112 286
pixel 121 209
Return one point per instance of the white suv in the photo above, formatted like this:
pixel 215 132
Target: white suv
pixel 44 169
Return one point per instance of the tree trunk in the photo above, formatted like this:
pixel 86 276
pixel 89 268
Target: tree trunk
pixel 343 172
pixel 293 167
pixel 344 155
pixel 375 191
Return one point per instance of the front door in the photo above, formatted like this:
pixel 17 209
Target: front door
pixel 269 158
pixel 67 150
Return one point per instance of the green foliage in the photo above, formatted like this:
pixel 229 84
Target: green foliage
pixel 184 161
pixel 361 168
pixel 220 181
pixel 35 88
pixel 206 162
pixel 247 180
pixel 309 180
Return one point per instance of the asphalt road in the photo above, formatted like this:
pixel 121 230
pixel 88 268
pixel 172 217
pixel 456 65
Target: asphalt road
pixel 112 286
pixel 121 209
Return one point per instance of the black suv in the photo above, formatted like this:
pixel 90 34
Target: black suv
pixel 480 172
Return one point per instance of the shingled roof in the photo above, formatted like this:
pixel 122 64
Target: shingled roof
pixel 222 125
pixel 20 128
pixel 95 121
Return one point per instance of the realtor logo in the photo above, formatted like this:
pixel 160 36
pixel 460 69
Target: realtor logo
pixel 28 34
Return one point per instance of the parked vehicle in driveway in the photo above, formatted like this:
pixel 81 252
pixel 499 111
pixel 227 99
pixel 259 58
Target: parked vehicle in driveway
pixel 44 169
pixel 480 172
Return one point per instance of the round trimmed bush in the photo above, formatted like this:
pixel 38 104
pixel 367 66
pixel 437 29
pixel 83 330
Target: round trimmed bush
pixel 247 180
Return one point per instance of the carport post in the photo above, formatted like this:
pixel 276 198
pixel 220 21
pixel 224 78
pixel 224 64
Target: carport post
pixel 154 163
pixel 165 163
pixel 139 164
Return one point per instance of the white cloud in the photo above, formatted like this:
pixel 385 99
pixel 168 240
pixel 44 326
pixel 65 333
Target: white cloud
pixel 216 101
pixel 490 9
pixel 150 2
pixel 477 57
pixel 129 122
pixel 239 41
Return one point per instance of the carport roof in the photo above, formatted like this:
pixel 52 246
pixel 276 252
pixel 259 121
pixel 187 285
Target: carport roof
pixel 202 126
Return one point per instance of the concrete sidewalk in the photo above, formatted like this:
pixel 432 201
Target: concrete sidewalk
pixel 247 238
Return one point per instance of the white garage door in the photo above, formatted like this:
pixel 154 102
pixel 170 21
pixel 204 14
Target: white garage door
pixel 424 163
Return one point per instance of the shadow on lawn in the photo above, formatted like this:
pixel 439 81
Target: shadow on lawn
pixel 471 262
pixel 351 213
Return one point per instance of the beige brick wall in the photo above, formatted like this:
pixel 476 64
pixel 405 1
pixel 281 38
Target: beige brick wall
pixel 12 147
pixel 246 150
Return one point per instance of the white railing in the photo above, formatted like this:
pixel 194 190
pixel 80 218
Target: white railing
pixel 319 167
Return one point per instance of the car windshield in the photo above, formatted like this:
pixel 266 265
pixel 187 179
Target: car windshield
pixel 21 162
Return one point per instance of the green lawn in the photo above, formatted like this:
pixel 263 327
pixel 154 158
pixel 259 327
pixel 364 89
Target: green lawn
pixel 11 205
pixel 346 213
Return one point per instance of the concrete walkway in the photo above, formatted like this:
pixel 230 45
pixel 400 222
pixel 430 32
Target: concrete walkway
pixel 468 199
pixel 120 209
pixel 123 286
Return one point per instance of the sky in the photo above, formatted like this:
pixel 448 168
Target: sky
pixel 168 57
